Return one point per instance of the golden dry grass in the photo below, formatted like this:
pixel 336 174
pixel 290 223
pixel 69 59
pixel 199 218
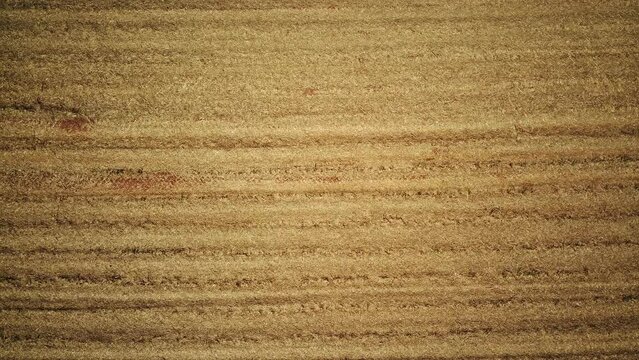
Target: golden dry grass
pixel 297 179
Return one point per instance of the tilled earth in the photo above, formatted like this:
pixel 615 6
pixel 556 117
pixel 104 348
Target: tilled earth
pixel 296 179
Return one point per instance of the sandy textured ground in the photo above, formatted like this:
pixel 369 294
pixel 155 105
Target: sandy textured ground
pixel 297 179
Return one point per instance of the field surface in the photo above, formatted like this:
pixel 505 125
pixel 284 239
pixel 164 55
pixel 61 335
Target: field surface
pixel 319 179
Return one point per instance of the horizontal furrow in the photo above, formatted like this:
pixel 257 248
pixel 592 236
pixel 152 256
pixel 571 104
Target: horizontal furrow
pixel 556 345
pixel 324 213
pixel 483 267
pixel 359 136
pixel 309 301
pixel 337 178
pixel 193 326
pixel 517 234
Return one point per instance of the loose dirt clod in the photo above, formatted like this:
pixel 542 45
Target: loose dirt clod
pixel 74 124
pixel 310 91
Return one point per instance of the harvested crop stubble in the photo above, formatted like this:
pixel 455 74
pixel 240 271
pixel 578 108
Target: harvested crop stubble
pixel 193 179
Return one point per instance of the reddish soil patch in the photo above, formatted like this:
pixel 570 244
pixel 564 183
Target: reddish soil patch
pixel 74 124
pixel 157 180
pixel 310 91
